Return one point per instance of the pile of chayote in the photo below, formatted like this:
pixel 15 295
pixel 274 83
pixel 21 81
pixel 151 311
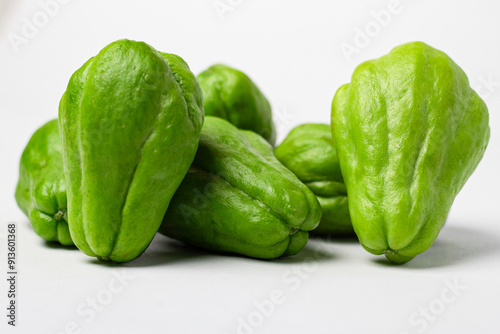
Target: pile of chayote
pixel 143 146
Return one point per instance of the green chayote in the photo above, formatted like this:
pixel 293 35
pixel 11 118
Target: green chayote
pixel 309 152
pixel 238 198
pixel 41 190
pixel 409 132
pixel 232 95
pixel 130 121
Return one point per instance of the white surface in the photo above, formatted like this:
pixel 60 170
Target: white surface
pixel 292 50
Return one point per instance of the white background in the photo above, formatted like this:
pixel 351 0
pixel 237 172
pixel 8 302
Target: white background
pixel 292 50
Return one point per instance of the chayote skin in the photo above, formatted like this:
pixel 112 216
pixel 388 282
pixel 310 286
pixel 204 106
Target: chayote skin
pixel 309 152
pixel 41 190
pixel 238 198
pixel 130 121
pixel 409 132
pixel 232 95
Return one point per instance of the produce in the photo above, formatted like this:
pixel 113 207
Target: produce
pixel 309 152
pixel 409 132
pixel 130 122
pixel 238 198
pixel 41 189
pixel 233 96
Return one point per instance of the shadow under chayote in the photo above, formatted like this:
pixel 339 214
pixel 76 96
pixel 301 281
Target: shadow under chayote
pixel 161 251
pixel 57 246
pixel 454 245
pixel 308 254
pixel 345 239
pixel 165 251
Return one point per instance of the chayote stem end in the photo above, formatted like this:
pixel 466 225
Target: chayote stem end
pixel 390 251
pixel 60 215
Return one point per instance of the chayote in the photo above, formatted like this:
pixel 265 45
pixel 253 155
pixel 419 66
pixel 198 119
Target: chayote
pixel 130 121
pixel 309 152
pixel 409 132
pixel 238 198
pixel 232 95
pixel 41 190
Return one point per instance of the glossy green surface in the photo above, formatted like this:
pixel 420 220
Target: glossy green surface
pixel 232 95
pixel 409 132
pixel 238 198
pixel 309 152
pixel 41 190
pixel 130 120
